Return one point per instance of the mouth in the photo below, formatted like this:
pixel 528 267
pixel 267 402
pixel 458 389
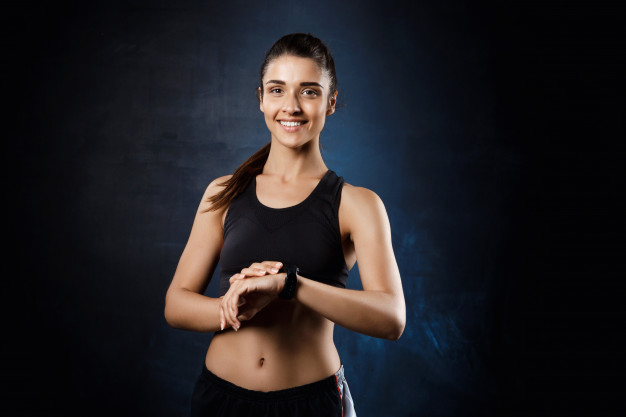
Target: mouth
pixel 292 126
pixel 294 123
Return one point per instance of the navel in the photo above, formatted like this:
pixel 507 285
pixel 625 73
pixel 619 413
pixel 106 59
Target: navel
pixel 261 361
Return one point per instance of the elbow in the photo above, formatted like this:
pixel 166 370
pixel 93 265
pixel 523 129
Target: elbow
pixel 168 316
pixel 397 320
pixel 395 330
pixel 168 313
pixel 396 326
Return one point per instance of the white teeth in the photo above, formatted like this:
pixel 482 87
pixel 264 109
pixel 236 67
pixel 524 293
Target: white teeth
pixel 291 123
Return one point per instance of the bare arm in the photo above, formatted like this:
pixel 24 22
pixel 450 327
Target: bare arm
pixel 185 305
pixel 379 310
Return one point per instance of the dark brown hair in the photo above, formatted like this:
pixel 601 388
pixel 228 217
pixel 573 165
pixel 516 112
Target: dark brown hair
pixel 302 45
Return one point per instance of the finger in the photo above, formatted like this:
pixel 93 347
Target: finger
pixel 237 300
pixel 225 320
pixel 274 267
pixel 253 272
pixel 235 312
pixel 229 319
pixel 236 277
pixel 259 270
pixel 232 298
pixel 244 312
pixel 269 267
pixel 248 314
pixel 241 301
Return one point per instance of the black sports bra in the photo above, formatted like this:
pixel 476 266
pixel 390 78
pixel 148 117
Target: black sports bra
pixel 306 235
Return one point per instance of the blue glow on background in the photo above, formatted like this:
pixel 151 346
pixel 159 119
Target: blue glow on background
pixel 162 102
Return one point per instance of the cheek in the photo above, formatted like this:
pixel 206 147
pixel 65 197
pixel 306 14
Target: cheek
pixel 321 113
pixel 314 109
pixel 269 111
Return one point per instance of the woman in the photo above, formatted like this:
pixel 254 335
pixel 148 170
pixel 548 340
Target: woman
pixel 286 230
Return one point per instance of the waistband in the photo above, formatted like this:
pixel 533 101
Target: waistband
pixel 283 394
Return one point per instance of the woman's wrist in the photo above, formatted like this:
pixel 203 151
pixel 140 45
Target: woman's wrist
pixel 280 282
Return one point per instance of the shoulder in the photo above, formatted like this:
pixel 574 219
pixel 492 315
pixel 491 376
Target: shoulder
pixel 354 197
pixel 361 208
pixel 214 187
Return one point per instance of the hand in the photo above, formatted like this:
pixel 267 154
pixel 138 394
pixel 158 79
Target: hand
pixel 252 295
pixel 257 269
pixel 255 299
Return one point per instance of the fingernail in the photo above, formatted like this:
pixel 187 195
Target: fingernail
pixel 242 276
pixel 278 265
pixel 274 270
pixel 221 326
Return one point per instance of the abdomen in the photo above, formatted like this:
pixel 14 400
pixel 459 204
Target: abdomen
pixel 284 345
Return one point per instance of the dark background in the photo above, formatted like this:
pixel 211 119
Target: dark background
pixel 490 131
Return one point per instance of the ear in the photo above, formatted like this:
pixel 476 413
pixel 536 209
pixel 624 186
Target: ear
pixel 260 97
pixel 332 101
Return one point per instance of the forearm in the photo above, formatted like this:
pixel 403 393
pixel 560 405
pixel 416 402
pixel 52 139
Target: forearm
pixel 374 313
pixel 188 310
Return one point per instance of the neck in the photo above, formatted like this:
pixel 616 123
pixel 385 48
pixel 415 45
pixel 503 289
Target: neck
pixel 289 163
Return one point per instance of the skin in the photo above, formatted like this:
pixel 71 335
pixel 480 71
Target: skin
pixel 266 343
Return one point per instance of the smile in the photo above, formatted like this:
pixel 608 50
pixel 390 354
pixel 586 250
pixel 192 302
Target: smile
pixel 291 124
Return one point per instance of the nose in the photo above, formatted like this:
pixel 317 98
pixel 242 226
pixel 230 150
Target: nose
pixel 291 104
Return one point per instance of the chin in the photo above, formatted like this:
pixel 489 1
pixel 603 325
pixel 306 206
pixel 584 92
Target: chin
pixel 292 142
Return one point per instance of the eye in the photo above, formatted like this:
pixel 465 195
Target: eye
pixel 310 92
pixel 276 90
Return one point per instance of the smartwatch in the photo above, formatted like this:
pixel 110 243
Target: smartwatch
pixel 291 282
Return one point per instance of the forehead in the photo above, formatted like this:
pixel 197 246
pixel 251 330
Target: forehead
pixel 295 69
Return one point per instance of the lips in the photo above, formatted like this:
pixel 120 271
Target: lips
pixel 293 123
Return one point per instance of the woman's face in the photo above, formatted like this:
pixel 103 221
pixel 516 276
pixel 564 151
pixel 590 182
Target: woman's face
pixel 295 100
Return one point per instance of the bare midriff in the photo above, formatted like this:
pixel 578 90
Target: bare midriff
pixel 285 345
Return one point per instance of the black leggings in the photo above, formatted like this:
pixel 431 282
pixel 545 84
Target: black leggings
pixel 213 396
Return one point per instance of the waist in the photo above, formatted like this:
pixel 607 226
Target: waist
pixel 275 354
pixel 325 384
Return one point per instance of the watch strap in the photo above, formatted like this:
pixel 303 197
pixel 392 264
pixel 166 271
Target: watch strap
pixel 291 281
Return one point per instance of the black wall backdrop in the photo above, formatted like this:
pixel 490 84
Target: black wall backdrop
pixel 490 131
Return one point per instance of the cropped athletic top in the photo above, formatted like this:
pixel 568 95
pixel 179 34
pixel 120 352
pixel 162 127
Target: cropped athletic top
pixel 306 235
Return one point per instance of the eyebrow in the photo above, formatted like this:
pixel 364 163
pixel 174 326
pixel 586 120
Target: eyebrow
pixel 304 84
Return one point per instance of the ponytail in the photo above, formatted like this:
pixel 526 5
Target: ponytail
pixel 252 167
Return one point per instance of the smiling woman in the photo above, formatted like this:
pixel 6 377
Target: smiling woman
pixel 293 99
pixel 286 230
